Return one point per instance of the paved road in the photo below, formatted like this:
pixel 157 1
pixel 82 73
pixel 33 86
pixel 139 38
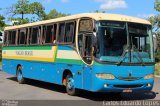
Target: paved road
pixel 36 90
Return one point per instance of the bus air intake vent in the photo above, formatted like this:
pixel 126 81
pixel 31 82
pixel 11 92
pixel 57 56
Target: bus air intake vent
pixel 129 78
pixel 128 86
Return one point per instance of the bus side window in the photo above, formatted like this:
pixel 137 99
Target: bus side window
pixel 85 39
pixel 43 35
pixel 29 36
pixel 12 37
pixel 86 25
pixel 49 34
pixel 34 35
pixel 80 44
pixel 22 36
pixel 69 33
pixel 61 32
pixel 39 34
pixel 54 33
pixel 5 42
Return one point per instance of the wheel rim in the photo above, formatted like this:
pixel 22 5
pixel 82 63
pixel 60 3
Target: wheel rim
pixel 20 76
pixel 70 83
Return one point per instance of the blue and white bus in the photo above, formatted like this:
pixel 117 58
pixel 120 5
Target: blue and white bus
pixel 96 52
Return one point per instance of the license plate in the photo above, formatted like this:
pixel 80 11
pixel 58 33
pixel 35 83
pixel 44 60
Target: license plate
pixel 127 90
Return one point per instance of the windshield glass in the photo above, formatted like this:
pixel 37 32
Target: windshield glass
pixel 121 41
pixel 140 39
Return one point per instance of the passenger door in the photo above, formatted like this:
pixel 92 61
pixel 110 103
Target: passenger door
pixel 85 46
pixel 85 49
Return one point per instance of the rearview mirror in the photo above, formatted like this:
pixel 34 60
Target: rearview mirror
pixel 155 43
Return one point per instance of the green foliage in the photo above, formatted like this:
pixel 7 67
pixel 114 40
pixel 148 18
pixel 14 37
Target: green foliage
pixel 157 5
pixel 156 25
pixel 38 9
pixel 2 23
pixel 0 53
pixel 54 14
pixel 157 59
pixel 18 21
pixel 158 49
pixel 155 21
pixel 23 7
pixel 152 20
pixel 157 69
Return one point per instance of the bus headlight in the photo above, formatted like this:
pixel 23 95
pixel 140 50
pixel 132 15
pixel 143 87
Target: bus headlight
pixel 149 76
pixel 105 76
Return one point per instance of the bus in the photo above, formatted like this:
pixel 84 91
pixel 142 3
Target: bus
pixel 97 52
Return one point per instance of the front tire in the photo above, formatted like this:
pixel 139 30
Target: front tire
pixel 19 75
pixel 70 87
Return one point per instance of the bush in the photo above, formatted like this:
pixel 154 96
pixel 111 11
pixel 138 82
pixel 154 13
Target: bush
pixel 157 56
pixel 157 69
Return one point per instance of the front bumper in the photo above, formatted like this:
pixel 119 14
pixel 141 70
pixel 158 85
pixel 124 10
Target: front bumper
pixel 101 85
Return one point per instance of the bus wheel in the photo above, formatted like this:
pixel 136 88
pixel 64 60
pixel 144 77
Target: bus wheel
pixel 19 75
pixel 70 88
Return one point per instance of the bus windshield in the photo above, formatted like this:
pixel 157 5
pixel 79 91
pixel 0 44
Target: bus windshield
pixel 126 42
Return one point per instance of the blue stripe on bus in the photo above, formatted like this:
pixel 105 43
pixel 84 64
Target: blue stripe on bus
pixel 64 48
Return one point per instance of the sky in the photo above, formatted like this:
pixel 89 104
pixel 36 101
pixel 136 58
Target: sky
pixel 137 8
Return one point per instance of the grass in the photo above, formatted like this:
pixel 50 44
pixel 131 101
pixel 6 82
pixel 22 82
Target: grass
pixel 157 71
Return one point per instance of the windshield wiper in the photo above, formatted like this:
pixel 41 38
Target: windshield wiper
pixel 125 51
pixel 132 50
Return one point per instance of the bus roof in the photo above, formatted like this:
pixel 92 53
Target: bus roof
pixel 96 16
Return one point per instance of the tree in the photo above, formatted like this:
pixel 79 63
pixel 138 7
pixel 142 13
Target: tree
pixel 2 23
pixel 19 21
pixel 38 9
pixel 155 21
pixel 23 7
pixel 157 5
pixel 54 14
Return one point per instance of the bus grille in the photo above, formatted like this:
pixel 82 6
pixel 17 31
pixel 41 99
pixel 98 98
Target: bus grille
pixel 129 78
pixel 128 86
